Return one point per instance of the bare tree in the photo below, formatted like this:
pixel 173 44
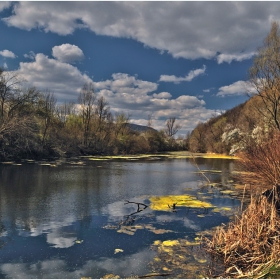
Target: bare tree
pixel 9 88
pixel 63 111
pixel 121 123
pixel 47 112
pixel 86 99
pixel 150 120
pixel 171 127
pixel 102 113
pixel 265 75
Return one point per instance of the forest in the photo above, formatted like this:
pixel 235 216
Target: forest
pixel 34 126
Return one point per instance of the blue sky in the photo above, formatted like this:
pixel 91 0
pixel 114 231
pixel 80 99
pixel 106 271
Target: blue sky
pixel 188 60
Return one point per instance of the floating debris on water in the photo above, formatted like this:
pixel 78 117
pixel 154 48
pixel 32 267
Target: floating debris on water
pixel 118 251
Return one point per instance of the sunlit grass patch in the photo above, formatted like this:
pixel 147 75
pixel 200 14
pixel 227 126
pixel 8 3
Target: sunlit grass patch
pixel 165 203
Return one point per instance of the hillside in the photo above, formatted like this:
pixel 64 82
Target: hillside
pixel 139 128
pixel 233 130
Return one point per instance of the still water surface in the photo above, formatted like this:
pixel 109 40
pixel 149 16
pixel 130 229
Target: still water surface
pixel 63 221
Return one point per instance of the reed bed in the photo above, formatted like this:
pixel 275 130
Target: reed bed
pixel 249 246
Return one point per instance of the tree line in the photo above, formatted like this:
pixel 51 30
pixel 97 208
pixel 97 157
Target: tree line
pixel 34 125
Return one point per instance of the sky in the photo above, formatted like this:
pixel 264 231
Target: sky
pixel 149 59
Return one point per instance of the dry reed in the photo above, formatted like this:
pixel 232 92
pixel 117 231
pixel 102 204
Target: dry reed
pixel 250 245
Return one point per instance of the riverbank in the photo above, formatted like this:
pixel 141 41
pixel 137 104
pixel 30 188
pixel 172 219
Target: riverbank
pixel 171 154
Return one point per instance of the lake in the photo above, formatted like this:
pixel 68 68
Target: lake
pixel 92 218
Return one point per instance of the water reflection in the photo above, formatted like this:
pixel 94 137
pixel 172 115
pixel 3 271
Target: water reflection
pixel 134 264
pixel 66 221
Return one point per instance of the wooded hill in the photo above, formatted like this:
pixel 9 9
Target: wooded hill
pixel 233 130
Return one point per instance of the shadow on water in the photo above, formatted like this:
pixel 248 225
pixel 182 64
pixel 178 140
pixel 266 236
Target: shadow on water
pixel 88 218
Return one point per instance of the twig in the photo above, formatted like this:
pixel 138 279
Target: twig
pixel 153 275
pixel 200 171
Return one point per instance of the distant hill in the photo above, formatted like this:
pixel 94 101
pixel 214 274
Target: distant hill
pixel 233 130
pixel 140 128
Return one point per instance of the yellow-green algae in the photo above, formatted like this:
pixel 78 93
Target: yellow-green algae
pixel 165 203
pixel 175 155
pixel 181 257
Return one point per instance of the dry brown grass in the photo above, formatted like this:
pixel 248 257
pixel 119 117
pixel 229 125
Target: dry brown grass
pixel 250 245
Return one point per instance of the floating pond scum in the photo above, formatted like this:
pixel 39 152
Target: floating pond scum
pixel 164 203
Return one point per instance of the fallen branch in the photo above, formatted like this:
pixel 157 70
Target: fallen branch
pixel 138 205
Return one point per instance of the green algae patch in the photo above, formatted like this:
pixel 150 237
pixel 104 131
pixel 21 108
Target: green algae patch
pixel 166 203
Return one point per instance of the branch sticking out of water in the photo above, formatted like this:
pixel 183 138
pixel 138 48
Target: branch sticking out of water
pixel 200 171
pixel 138 205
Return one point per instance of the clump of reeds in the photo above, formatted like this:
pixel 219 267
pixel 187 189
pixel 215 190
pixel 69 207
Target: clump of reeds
pixel 249 245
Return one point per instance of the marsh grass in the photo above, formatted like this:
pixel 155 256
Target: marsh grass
pixel 249 246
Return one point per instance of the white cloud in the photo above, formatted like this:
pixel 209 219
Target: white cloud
pixel 67 53
pixel 192 74
pixel 183 29
pixel 237 57
pixel 7 53
pixel 162 95
pixel 136 97
pixel 30 55
pixel 237 88
pixel 61 78
pixel 4 5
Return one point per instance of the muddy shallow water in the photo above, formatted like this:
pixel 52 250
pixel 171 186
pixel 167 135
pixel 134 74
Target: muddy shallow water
pixel 89 218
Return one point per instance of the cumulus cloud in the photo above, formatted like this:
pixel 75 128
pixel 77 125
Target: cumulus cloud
pixel 237 88
pixel 67 53
pixel 137 98
pixel 123 92
pixel 61 78
pixel 162 95
pixel 192 74
pixel 7 53
pixel 183 29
